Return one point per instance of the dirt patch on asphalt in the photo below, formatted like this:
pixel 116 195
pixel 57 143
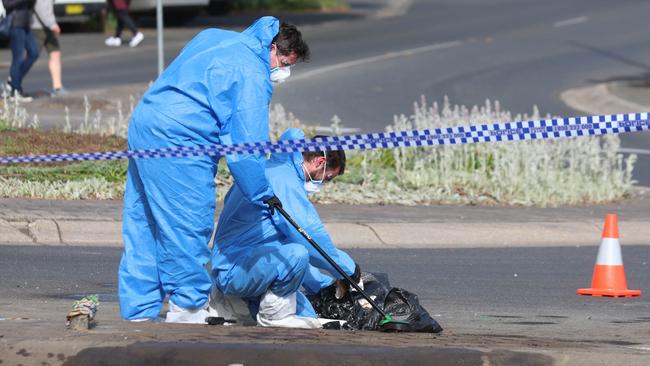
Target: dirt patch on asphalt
pixel 210 354
pixel 32 342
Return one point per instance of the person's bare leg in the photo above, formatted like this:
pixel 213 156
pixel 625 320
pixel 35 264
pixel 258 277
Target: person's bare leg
pixel 54 65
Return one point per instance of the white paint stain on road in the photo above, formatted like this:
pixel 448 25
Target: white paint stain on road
pixel 572 21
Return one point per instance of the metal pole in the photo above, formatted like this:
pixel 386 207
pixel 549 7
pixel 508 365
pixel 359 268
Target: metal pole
pixel 161 44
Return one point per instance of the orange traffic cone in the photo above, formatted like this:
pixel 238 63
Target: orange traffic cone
pixel 609 274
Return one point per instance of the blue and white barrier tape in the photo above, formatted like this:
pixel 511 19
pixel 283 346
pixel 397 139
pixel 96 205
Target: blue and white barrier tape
pixel 511 131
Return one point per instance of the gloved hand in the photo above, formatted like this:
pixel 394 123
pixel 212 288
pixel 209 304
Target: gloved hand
pixel 273 202
pixel 343 286
pixel 3 12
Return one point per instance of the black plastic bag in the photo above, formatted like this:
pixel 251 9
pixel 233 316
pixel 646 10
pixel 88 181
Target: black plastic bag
pixel 358 313
pixel 404 305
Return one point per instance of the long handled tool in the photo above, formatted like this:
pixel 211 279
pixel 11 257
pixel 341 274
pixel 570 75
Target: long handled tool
pixel 387 324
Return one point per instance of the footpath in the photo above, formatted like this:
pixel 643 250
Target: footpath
pixel 52 222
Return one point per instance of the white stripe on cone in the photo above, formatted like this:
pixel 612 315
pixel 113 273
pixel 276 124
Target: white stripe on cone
pixel 609 253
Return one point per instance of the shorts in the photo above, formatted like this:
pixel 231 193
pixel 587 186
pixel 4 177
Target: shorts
pixel 48 39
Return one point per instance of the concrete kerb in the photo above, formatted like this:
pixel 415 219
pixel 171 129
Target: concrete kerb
pixel 598 99
pixel 10 233
pixel 353 235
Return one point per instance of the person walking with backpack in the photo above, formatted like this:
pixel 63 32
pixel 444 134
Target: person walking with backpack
pixel 121 10
pixel 24 48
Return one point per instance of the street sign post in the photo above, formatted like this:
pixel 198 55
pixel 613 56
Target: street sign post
pixel 160 27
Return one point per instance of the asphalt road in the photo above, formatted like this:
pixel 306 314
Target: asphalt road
pixel 522 53
pixel 506 291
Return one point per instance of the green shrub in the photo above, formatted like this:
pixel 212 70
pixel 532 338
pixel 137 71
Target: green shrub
pixel 538 172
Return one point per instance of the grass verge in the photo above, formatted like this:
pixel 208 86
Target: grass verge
pixel 583 170
pixel 83 180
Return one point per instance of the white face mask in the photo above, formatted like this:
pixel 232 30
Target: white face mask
pixel 313 186
pixel 280 74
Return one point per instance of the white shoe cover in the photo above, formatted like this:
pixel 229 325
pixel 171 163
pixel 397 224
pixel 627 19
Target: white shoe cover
pixel 324 321
pixel 280 311
pixel 229 307
pixel 177 314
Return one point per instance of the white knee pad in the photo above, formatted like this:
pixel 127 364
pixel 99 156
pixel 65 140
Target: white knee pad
pixel 280 311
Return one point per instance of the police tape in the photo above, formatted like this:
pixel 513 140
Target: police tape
pixel 510 131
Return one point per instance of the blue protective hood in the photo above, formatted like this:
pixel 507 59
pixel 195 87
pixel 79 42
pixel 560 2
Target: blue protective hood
pixel 295 157
pixel 262 31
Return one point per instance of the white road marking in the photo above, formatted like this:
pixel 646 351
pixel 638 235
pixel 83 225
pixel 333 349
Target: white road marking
pixel 384 57
pixel 572 21
pixel 118 51
pixel 641 347
pixel 344 130
pixel 634 151
pixel 394 8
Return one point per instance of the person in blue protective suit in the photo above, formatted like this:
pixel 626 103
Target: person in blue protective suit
pixel 259 257
pixel 216 91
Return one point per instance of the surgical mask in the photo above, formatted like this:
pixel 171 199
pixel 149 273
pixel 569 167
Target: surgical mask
pixel 313 186
pixel 280 74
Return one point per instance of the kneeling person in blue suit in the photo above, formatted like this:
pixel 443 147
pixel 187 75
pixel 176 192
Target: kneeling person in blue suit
pixel 260 258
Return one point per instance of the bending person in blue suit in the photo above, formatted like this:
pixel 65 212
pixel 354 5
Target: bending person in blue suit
pixel 217 91
pixel 260 258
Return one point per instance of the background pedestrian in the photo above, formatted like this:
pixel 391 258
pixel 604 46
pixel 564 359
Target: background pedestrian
pixel 121 10
pixel 46 30
pixel 21 39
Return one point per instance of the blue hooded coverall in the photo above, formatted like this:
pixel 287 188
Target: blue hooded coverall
pixel 217 91
pixel 255 251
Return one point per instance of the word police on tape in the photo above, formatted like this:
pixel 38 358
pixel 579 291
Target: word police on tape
pixel 510 131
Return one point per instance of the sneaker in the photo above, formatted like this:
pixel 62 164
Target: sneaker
pixel 19 97
pixel 7 88
pixel 135 41
pixel 113 42
pixel 59 92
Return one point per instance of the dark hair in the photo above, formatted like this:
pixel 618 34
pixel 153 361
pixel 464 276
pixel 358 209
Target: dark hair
pixel 289 40
pixel 335 158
